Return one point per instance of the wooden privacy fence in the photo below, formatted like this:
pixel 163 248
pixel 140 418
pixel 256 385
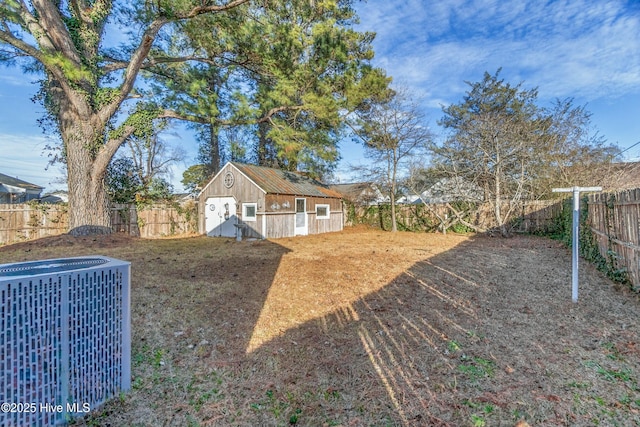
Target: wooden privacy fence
pixel 530 216
pixel 159 220
pixel 27 221
pixel 615 221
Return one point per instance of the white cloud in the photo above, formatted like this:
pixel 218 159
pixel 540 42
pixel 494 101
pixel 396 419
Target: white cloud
pixel 574 48
pixel 24 157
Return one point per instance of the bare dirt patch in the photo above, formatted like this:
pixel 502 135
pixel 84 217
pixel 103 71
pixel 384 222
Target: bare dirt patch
pixel 366 328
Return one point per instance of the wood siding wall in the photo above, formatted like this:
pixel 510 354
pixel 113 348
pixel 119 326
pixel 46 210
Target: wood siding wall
pixel 285 217
pixel 243 190
pixel 280 225
pixel 276 212
pixel 615 221
pixel 333 223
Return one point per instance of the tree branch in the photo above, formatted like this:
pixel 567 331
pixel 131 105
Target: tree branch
pixel 21 45
pixel 118 64
pixel 201 10
pixel 108 150
pixel 52 29
pixel 133 68
pixel 170 114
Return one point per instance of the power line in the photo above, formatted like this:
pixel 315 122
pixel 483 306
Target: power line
pixel 629 148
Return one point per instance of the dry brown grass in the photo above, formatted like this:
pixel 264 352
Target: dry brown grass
pixel 366 328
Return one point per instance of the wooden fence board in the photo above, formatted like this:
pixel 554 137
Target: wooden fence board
pixel 615 220
pixel 613 217
pixel 27 221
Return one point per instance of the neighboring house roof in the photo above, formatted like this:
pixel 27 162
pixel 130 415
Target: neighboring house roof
pixel 409 200
pixel 10 184
pixel 55 197
pixel 277 181
pixel 184 198
pixel 364 193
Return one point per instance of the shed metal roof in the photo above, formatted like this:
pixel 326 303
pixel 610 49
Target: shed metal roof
pixel 277 181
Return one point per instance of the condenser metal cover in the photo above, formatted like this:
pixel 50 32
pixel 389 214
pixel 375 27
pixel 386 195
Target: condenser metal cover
pixel 65 338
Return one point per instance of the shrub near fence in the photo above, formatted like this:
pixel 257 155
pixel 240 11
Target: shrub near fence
pixel 538 216
pixel 28 221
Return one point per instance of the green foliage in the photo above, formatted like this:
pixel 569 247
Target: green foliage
pixel 124 184
pixel 159 189
pixel 70 70
pixel 453 346
pixel 588 247
pixel 195 177
pixel 413 217
pixel 477 420
pixel 142 120
pixel 288 73
pixel 105 96
pixel 318 72
pixel 477 367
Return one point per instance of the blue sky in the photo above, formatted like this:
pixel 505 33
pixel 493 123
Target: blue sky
pixel 586 50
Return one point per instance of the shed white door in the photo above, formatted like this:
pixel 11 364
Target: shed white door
pixel 301 217
pixel 220 216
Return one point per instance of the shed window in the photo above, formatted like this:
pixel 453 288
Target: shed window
pixel 322 211
pixel 249 211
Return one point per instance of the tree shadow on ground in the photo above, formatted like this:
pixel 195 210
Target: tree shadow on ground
pixel 195 303
pixel 485 332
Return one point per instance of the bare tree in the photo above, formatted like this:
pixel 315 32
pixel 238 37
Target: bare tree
pixel 497 136
pixel 513 149
pixel 425 183
pixel 152 157
pixel 577 155
pixel 393 132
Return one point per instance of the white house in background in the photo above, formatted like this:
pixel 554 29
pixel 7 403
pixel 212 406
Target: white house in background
pixel 14 190
pixel 447 190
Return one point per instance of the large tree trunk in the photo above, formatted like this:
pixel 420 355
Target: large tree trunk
pixel 87 163
pixel 67 39
pixel 88 201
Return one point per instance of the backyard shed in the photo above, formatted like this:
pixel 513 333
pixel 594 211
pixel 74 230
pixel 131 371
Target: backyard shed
pixel 244 200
